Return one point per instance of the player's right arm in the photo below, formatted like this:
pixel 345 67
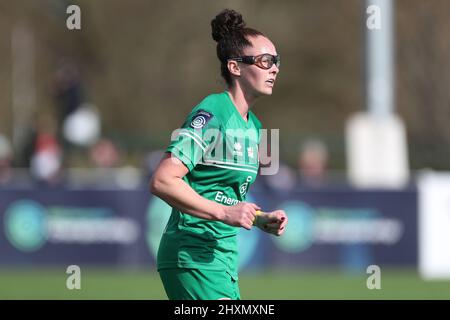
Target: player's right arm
pixel 168 184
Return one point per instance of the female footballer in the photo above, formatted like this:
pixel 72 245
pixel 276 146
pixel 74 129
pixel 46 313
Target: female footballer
pixel 209 166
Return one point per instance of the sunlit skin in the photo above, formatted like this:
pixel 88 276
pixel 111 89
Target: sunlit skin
pixel 249 82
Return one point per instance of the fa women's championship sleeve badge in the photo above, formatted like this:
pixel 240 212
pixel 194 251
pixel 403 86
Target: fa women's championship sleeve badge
pixel 200 119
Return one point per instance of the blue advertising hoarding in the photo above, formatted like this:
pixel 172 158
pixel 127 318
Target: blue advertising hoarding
pixel 327 227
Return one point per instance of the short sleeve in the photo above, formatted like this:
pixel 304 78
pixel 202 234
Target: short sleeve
pixel 195 138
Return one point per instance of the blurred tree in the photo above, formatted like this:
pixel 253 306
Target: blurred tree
pixel 147 63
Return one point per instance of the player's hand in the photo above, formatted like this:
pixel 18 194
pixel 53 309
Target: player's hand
pixel 272 222
pixel 241 215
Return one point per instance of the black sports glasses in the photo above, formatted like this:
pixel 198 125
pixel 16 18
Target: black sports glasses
pixel 264 61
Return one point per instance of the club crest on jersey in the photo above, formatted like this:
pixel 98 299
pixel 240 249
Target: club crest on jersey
pixel 200 119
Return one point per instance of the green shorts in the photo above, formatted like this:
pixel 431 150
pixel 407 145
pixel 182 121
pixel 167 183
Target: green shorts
pixel 197 284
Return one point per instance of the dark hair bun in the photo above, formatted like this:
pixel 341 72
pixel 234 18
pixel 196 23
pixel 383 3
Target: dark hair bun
pixel 225 23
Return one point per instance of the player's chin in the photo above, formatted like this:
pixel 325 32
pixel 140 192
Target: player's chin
pixel 266 90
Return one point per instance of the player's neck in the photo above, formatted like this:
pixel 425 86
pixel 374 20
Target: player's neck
pixel 242 100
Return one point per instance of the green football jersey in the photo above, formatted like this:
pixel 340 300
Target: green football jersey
pixel 220 149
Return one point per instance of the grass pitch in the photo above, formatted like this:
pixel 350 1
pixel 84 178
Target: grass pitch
pixel 107 283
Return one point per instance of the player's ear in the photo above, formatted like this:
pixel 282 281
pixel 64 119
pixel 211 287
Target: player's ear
pixel 233 67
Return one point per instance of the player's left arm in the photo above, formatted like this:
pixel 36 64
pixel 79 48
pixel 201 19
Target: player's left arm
pixel 273 222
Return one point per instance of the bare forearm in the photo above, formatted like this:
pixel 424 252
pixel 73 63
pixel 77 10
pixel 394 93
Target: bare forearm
pixel 180 195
